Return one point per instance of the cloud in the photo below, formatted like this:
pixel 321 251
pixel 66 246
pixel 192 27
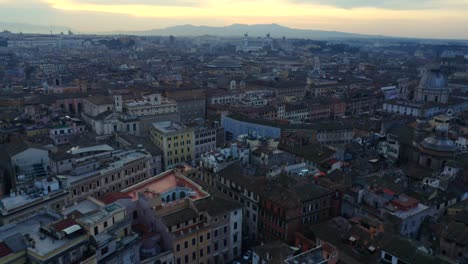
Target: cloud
pixel 142 2
pixel 413 18
pixel 385 4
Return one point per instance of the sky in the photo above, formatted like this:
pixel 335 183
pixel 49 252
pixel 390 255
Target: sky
pixel 405 18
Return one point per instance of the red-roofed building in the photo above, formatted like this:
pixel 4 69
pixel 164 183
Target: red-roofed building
pixel 405 202
pixel 114 196
pixel 170 186
pixel 61 225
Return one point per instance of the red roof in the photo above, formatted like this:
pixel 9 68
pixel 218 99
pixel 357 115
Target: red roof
pixel 59 226
pixel 114 196
pixel 388 191
pixel 4 250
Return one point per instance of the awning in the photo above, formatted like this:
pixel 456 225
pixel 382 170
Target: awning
pixel 71 229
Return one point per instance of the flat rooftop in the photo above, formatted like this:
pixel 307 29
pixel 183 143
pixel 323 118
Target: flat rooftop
pixel 164 182
pixel 123 158
pixel 168 126
pixel 45 244
pixel 313 256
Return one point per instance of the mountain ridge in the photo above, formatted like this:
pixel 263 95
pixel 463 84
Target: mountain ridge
pixel 254 30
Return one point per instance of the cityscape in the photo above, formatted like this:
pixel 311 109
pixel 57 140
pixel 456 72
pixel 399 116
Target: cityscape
pixel 255 143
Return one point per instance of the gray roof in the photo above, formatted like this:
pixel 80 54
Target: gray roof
pixel 15 242
pixel 438 143
pixel 180 216
pixel 434 80
pixel 216 206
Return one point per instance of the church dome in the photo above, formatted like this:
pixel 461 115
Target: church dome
pixel 437 143
pixel 434 80
pixel 440 141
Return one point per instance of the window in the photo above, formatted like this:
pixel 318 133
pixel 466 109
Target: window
pixel 201 239
pixel 234 238
pixel 178 247
pixel 216 233
pixel 194 255
pixel 387 257
pixel 105 224
pixel 235 225
pixel 225 229
pixel 96 230
pixel 208 236
pixel 201 252
pixel 194 241
pixel 104 250
pixel 186 244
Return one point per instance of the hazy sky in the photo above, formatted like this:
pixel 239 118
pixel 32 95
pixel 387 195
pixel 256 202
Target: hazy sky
pixel 411 18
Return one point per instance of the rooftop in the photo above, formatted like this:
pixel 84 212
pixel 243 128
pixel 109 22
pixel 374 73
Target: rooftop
pixel 165 182
pixel 44 244
pixel 169 126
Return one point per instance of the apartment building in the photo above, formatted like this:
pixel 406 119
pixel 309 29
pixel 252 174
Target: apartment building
pixel 99 169
pixel 175 140
pixel 202 228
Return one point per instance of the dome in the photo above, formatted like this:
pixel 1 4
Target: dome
pixel 433 79
pixel 438 143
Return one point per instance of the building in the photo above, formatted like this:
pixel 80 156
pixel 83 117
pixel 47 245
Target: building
pixel 134 116
pixel 285 208
pixel 202 228
pixel 204 140
pixel 110 227
pixel 45 237
pixel 98 169
pixel 410 214
pixel 22 162
pixel 175 140
pixel 399 250
pixel 331 132
pixel 191 104
pixel 431 97
pixel 33 198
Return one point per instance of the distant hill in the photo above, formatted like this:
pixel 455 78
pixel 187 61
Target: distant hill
pixel 237 30
pixel 30 28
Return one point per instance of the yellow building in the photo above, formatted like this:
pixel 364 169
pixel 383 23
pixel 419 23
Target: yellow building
pixel 175 140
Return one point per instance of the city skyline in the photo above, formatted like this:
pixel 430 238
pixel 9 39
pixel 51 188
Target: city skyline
pixel 421 19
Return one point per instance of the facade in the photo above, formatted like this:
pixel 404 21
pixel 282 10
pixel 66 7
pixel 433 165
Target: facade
pixel 97 170
pixel 191 105
pixel 235 182
pixel 110 227
pixel 204 140
pixel 284 210
pixel 134 116
pixel 235 127
pixel 175 140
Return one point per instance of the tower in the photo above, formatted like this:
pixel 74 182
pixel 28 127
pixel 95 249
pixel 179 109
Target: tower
pixel 118 103
pixel 245 41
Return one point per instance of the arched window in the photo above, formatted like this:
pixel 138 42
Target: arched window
pixel 168 198
pixel 182 195
pixel 173 196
